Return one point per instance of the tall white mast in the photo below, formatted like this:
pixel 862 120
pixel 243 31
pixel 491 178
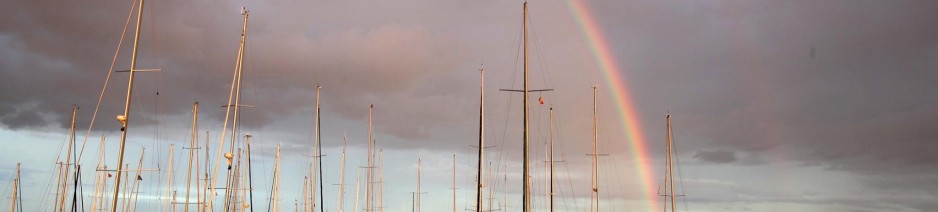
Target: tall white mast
pixel 125 118
pixel 526 184
pixel 318 157
pixel 100 179
pixel 369 189
pixel 552 160
pixel 208 193
pixel 58 186
pixel 306 194
pixel 418 185
pixel 307 186
pixel 505 198
pixel 669 183
pixel 340 201
pixel 594 195
pixel 136 184
pixel 68 158
pixel 358 183
pixel 480 176
pixel 169 177
pixel 192 143
pixel 275 192
pixel 250 187
pixel 16 185
pixel 380 179
pixel 236 94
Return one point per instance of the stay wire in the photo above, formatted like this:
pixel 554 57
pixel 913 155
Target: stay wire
pixel 107 79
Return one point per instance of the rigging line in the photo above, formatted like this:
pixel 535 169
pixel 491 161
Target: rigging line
pixel 560 137
pixel 603 138
pixel 58 158
pixel 221 144
pixel 258 138
pixel 107 78
pixel 158 130
pixel 679 172
pixel 514 75
pixel 665 181
pixel 559 187
pixel 540 59
pixel 615 162
pixel 7 189
pixel 46 192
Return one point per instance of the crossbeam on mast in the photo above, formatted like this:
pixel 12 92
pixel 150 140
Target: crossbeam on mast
pixel 142 70
pixel 529 91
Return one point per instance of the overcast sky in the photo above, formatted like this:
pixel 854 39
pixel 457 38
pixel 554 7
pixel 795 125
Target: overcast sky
pixel 776 105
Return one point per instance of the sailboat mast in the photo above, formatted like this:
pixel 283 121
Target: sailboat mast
pixel 237 111
pixel 670 182
pixel 369 189
pixel 58 185
pixel 526 198
pixel 208 193
pixel 505 182
pixel 380 179
pixel 307 187
pixel 192 143
pixel 136 185
pixel 418 185
pixel 16 182
pixel 318 156
pixel 68 158
pixel 358 183
pixel 481 179
pixel 100 182
pixel 552 159
pixel 595 178
pixel 305 194
pixel 236 87
pixel 124 119
pixel 250 174
pixel 169 176
pixel 126 184
pixel 174 201
pixel 340 202
pixel 275 206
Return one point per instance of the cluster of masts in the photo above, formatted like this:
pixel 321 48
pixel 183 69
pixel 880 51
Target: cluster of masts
pixel 238 186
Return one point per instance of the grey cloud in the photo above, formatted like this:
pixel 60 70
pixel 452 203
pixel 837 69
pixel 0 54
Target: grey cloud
pixel 382 63
pixel 715 156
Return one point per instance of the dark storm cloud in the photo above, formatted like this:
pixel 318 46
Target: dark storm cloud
pixel 55 54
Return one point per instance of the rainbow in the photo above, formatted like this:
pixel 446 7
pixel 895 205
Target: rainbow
pixel 605 60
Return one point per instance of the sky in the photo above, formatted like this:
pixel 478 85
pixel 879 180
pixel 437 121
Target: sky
pixel 775 105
